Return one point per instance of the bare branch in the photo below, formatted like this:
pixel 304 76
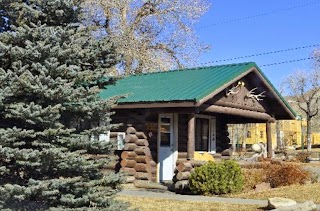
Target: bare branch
pixel 154 34
pixel 304 89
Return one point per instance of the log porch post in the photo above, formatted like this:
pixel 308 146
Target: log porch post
pixel 191 141
pixel 269 139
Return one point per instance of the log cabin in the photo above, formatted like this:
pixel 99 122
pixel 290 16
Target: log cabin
pixel 171 116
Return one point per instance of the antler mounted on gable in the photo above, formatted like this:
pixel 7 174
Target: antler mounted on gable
pixel 236 89
pixel 252 95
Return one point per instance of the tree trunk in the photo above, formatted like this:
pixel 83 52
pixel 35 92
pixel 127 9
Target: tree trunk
pixel 269 140
pixel 244 137
pixel 235 140
pixel 309 134
pixel 279 144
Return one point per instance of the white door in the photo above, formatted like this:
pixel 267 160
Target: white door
pixel 166 151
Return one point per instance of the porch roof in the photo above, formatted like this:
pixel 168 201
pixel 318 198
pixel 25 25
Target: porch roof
pixel 184 85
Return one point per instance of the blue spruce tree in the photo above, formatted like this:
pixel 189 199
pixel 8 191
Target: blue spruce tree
pixel 50 71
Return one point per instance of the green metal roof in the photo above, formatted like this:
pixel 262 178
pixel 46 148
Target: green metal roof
pixel 177 85
pixel 183 85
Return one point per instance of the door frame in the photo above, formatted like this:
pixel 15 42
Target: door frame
pixel 174 138
pixel 212 132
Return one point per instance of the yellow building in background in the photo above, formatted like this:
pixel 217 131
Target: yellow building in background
pixel 292 133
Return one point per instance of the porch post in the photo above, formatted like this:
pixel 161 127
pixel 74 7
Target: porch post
pixel 191 141
pixel 269 139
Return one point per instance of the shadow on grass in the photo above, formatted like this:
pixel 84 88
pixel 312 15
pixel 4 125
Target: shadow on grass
pixel 264 208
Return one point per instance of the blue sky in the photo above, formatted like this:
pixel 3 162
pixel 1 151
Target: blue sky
pixel 276 31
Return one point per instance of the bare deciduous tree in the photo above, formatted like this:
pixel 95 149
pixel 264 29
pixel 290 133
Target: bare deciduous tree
pixel 304 90
pixel 150 35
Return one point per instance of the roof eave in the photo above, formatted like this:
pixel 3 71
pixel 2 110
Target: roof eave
pixel 271 88
pixel 155 105
pixel 266 82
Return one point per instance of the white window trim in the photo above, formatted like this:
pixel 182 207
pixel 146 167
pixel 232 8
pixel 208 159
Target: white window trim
pixel 211 120
pixel 105 136
pixel 120 140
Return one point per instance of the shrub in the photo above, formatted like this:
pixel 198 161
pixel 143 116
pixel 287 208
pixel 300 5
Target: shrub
pixel 286 174
pixel 303 156
pixel 253 177
pixel 217 178
pixel 275 173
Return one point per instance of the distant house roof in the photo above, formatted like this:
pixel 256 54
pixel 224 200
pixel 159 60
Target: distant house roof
pixel 184 85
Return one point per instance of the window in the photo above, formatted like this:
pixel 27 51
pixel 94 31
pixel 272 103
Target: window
pixel 165 131
pixel 120 140
pixel 261 134
pixel 105 137
pixel 249 134
pixel 100 137
pixel 202 134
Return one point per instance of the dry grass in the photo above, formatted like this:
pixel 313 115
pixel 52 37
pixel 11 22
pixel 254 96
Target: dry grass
pixel 299 193
pixel 155 204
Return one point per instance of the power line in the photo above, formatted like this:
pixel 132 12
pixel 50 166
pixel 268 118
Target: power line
pixel 270 64
pixel 261 14
pixel 262 54
pixel 286 62
pixel 275 63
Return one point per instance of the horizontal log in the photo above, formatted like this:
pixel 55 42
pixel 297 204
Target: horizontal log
pixel 142 151
pixel 240 106
pixel 142 167
pixel 130 179
pixel 141 135
pixel 131 138
pixel 194 163
pixel 182 155
pixel 128 154
pixel 142 142
pixel 154 178
pixel 143 159
pixel 143 176
pixel 129 146
pixel 128 163
pixel 153 170
pixel 114 134
pixel 131 130
pixel 149 185
pixel 181 161
pixel 197 163
pixel 183 175
pixel 153 164
pixel 237 112
pixel 128 171
pixel 184 166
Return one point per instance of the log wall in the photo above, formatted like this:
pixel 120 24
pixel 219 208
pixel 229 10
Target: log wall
pixel 144 121
pixel 114 164
pixel 136 159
